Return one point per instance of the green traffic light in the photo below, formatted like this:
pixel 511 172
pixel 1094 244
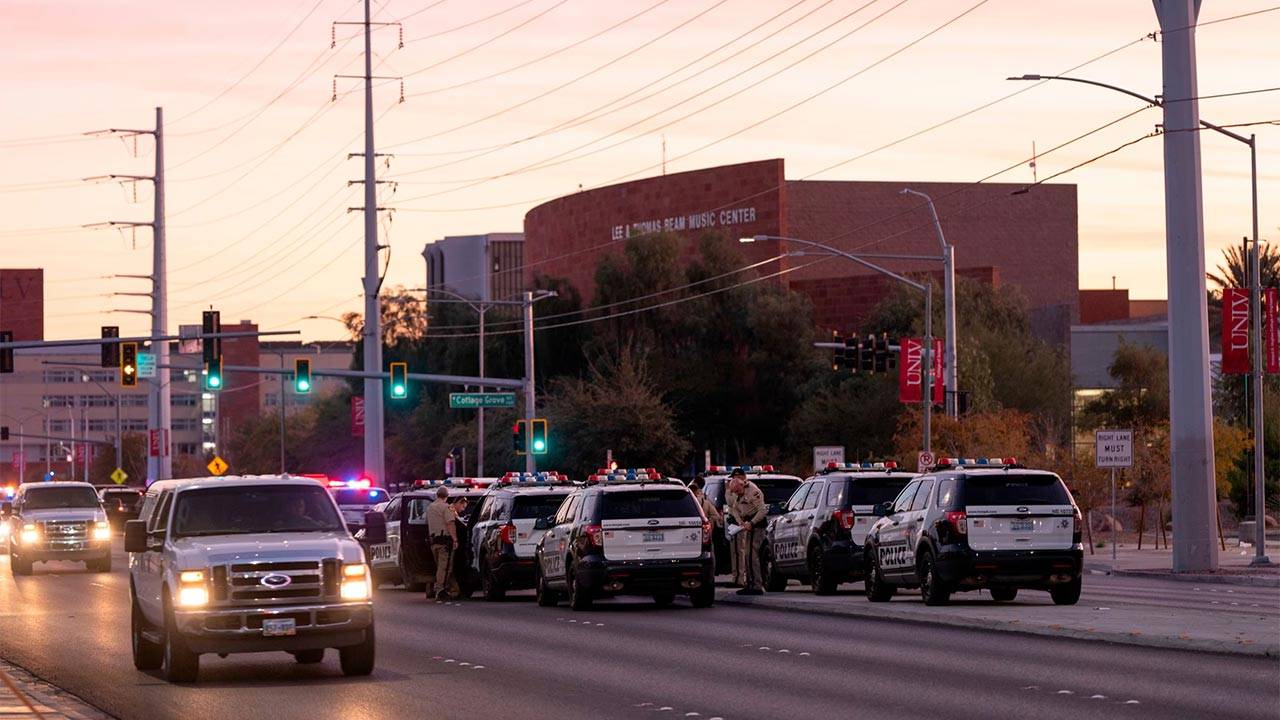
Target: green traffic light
pixel 397 391
pixel 539 445
pixel 215 381
pixel 304 385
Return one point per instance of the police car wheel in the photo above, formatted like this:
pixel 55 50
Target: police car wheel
pixel 703 597
pixel 663 599
pixel 1003 594
pixel 492 589
pixel 579 596
pixel 877 590
pixel 546 596
pixel 821 579
pixel 931 588
pixel 1068 594
pixel 774 581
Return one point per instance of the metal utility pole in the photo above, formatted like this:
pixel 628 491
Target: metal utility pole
pixel 1195 545
pixel 159 413
pixel 530 463
pixel 951 381
pixel 486 294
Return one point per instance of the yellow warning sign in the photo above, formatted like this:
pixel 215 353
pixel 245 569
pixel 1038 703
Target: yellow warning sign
pixel 118 476
pixel 217 465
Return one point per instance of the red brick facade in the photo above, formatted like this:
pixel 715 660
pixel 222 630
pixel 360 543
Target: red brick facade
pixel 22 303
pixel 238 399
pixel 841 304
pixel 1098 306
pixel 1026 240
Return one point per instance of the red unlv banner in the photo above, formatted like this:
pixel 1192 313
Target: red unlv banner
pixel 911 366
pixel 1271 339
pixel 357 416
pixel 1235 331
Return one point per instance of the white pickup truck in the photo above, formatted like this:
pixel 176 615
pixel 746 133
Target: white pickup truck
pixel 246 564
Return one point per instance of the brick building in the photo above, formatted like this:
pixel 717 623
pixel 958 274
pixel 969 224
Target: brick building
pixel 22 302
pixel 1001 235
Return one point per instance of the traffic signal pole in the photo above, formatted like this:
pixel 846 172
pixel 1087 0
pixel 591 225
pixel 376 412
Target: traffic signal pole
pixel 159 411
pixel 530 464
pixel 374 456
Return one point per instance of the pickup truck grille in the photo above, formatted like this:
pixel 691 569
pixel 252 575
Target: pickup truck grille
pixel 273 583
pixel 64 534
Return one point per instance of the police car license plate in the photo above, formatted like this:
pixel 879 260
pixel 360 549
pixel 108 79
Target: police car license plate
pixel 1022 525
pixel 277 627
pixel 654 536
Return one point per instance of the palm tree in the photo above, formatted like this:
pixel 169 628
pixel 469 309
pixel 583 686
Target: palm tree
pixel 1230 396
pixel 1233 271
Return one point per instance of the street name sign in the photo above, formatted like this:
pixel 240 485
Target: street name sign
pixel 1113 448
pixel 146 365
pixel 467 401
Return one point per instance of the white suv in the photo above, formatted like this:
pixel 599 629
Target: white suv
pixel 246 564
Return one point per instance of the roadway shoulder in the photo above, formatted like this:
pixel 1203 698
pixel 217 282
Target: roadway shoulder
pixel 1245 577
pixel 1083 623
pixel 48 701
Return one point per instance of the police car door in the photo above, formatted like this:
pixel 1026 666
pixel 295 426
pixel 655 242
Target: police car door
pixel 808 519
pixel 480 528
pixel 891 548
pixel 916 517
pixel 555 544
pixel 783 537
pixel 383 556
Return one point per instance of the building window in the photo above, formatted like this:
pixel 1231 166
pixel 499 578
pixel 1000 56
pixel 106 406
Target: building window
pixel 95 401
pixel 102 376
pixel 100 426
pixel 133 425
pixel 184 400
pixel 133 400
pixel 59 376
pixel 59 401
pixel 57 426
pixel 185 424
pixel 186 448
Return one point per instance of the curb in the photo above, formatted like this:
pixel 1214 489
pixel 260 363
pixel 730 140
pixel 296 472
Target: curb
pixel 1268 581
pixel 47 696
pixel 1270 650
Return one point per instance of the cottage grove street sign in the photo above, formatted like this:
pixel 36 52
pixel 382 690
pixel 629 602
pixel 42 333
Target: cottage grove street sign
pixel 464 401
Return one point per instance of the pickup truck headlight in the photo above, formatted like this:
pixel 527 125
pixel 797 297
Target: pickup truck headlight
pixel 30 535
pixel 355 582
pixel 191 589
pixel 101 530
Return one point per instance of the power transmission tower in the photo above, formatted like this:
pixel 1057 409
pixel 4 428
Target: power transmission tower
pixel 159 421
pixel 371 334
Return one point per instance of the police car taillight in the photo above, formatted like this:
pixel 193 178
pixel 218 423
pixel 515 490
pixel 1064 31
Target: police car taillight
pixel 595 534
pixel 1077 521
pixel 507 534
pixel 957 519
pixel 845 518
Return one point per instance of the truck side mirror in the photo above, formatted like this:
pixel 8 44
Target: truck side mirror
pixel 375 528
pixel 135 536
pixel 882 510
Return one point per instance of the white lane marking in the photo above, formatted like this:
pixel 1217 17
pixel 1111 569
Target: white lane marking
pixel 464 664
pixel 763 647
pixel 692 714
pixel 448 661
pixel 784 652
pixel 665 708
pixel 643 704
pixel 1064 692
pixel 1097 697
pixel 97 584
pixel 477 667
pixel 1031 687
pixel 1131 702
pixel 804 654
pixel 599 624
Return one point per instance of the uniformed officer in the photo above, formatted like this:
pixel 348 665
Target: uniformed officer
pixel 708 507
pixel 442 530
pixel 745 504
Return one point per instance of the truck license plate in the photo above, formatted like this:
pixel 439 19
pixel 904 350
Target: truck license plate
pixel 277 627
pixel 654 536
pixel 1022 525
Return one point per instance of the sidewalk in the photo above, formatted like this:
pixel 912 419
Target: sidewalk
pixel 37 699
pixel 1129 611
pixel 1233 564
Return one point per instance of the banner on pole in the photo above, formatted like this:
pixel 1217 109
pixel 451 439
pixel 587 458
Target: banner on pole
pixel 357 416
pixel 910 370
pixel 1271 335
pixel 1235 331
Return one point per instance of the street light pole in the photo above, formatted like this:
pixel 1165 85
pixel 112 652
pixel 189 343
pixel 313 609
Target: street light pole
pixel 949 357
pixel 1191 441
pixel 926 374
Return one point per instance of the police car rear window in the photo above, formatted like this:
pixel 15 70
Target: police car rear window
pixel 776 490
pixel 1015 489
pixel 536 506
pixel 641 504
pixel 865 491
pixel 359 496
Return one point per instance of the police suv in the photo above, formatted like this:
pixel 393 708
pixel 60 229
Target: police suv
pixel 628 532
pixel 776 487
pixel 503 539
pixel 404 556
pixel 818 538
pixel 970 524
pixel 245 564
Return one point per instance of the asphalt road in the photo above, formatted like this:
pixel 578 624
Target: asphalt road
pixel 626 659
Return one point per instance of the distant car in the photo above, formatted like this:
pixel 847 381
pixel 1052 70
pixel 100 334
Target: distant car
pixel 971 524
pixel 57 521
pixel 819 535
pixel 777 489
pixel 626 533
pixel 503 538
pixel 121 504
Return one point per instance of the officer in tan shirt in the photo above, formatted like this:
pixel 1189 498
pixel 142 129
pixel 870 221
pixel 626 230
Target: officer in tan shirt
pixel 442 530
pixel 745 503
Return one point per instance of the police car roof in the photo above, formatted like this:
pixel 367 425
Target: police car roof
pixel 56 483
pixel 867 474
pixel 246 481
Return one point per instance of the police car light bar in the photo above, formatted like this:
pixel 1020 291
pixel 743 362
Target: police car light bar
pixel 545 477
pixel 886 465
pixel 634 475
pixel 726 469
pixel 976 462
pixel 352 483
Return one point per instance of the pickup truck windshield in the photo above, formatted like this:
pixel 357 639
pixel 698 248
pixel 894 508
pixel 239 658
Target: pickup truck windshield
pixel 60 497
pixel 251 510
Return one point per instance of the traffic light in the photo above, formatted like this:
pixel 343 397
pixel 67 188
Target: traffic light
pixel 6 354
pixel 849 355
pixel 213 374
pixel 129 364
pixel 301 376
pixel 110 350
pixel 866 354
pixel 211 324
pixel 518 438
pixel 399 380
pixel 538 436
pixel 881 354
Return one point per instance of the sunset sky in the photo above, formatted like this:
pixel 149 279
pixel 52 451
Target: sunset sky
pixel 257 152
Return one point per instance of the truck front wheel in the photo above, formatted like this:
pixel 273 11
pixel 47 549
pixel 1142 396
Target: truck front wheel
pixel 358 659
pixel 180 664
pixel 146 654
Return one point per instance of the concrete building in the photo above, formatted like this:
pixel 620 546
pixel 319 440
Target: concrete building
pixel 1002 235
pixel 458 263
